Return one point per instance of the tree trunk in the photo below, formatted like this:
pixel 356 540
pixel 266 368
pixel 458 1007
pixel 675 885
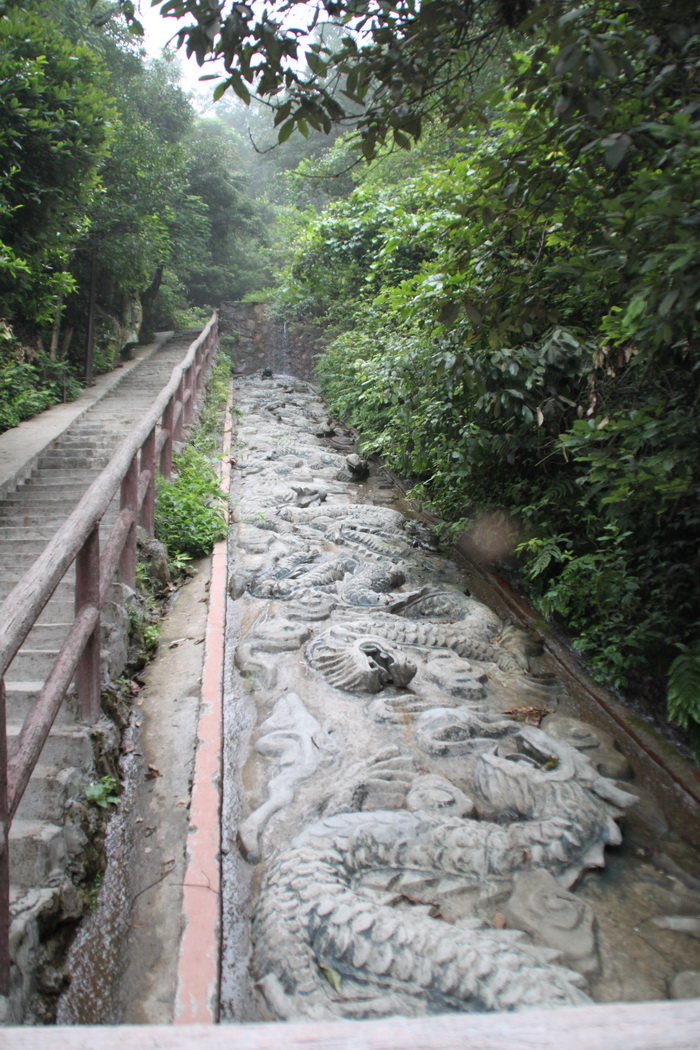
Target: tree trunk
pixel 56 329
pixel 148 297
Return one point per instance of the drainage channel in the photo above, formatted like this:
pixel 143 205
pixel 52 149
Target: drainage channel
pixel 420 816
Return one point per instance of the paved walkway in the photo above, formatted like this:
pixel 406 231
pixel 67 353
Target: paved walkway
pixel 21 446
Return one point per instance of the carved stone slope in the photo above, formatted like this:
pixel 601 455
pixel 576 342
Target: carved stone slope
pixel 413 846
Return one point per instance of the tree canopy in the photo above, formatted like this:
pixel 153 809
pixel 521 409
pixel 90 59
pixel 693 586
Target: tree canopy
pixel 103 184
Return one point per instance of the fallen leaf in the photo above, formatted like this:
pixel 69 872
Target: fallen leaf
pixel 153 772
pixel 529 715
pixel 332 976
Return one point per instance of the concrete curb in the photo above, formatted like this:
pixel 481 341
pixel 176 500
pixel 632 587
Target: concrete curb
pixel 21 446
pixel 197 995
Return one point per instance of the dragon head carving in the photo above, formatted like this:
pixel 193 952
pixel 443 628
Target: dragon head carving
pixel 364 664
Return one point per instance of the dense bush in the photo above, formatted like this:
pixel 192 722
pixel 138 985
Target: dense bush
pixel 29 381
pixel 520 330
pixel 189 518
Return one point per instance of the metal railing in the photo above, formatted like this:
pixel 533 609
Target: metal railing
pixel 133 467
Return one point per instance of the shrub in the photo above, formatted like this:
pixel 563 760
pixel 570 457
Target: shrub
pixel 189 516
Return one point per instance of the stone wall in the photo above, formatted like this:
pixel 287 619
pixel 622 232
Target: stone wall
pixel 259 343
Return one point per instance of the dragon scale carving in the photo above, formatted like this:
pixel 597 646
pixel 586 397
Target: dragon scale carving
pixel 313 915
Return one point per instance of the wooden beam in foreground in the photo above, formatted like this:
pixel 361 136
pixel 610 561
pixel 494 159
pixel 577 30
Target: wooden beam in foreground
pixel 671 1025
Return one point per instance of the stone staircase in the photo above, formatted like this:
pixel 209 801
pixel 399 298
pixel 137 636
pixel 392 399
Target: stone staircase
pixel 46 837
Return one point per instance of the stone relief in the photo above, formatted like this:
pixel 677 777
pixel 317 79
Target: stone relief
pixel 358 663
pixel 300 745
pixel 428 864
pixel 312 913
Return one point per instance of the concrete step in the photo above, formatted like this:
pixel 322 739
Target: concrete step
pixel 47 635
pixel 65 589
pixel 53 477
pixel 60 609
pixel 66 745
pixel 81 435
pixel 38 515
pixel 19 533
pixel 44 513
pixel 21 695
pixel 37 853
pixel 14 572
pixel 16 564
pixel 49 791
pixel 30 547
pixel 33 664
pixel 38 495
pixel 75 458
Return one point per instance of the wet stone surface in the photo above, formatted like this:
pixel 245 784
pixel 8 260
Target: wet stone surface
pixel 415 819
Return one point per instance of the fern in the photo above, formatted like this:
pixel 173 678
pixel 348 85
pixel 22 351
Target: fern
pixel 683 696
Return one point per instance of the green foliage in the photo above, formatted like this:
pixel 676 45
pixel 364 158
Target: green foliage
pixel 105 170
pixel 189 518
pixel 144 628
pixel 382 68
pixel 55 117
pixel 189 509
pixel 684 692
pixel 29 381
pixel 102 793
pixel 519 328
pixel 208 433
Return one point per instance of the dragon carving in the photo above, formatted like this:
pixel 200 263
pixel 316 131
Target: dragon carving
pixel 326 947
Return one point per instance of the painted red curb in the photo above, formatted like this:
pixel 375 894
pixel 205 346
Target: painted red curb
pixel 197 996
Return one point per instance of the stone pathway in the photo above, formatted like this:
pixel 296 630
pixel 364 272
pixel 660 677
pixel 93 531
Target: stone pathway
pixel 416 820
pixel 46 465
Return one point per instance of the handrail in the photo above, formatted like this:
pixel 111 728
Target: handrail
pixel 133 466
pixel 27 599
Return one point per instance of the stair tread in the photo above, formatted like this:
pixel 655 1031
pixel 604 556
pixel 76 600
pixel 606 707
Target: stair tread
pixel 23 826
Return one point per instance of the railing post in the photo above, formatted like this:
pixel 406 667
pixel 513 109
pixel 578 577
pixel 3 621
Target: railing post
pixel 166 453
pixel 190 377
pixel 148 462
pixel 87 592
pixel 180 399
pixel 129 500
pixel 4 854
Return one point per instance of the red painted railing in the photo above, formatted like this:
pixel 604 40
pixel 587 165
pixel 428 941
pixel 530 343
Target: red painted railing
pixel 133 467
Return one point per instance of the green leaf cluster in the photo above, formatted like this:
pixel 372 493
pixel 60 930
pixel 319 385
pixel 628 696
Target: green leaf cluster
pixel 55 128
pixel 189 517
pixel 29 380
pixel 103 792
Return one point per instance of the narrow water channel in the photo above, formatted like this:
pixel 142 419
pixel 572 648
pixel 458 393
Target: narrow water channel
pixel 418 816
